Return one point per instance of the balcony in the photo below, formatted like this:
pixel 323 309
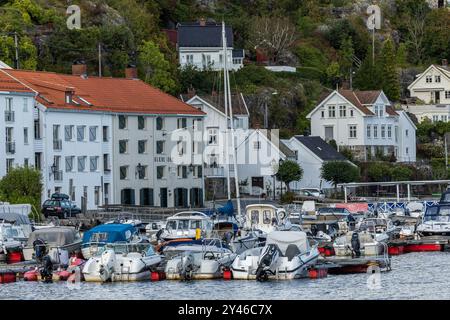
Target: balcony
pixel 57 144
pixel 10 147
pixel 9 116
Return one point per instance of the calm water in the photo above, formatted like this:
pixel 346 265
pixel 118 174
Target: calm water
pixel 414 276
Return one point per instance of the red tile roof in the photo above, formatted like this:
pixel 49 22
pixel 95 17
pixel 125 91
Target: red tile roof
pixel 354 99
pixel 101 94
pixel 10 84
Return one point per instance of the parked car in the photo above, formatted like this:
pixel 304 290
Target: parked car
pixel 315 192
pixel 305 195
pixel 61 208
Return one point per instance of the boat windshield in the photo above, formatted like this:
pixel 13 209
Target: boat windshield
pixel 255 217
pixel 183 224
pixel 267 217
pixel 196 224
pixel 9 233
pixel 121 248
pixel 172 224
pixel 438 214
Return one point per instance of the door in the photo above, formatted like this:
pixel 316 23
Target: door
pixel 181 197
pixel 329 133
pixel 127 196
pixel 146 197
pixel 196 197
pixel 437 97
pixel 163 197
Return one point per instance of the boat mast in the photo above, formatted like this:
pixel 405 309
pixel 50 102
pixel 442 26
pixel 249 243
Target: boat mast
pixel 225 105
pixel 228 93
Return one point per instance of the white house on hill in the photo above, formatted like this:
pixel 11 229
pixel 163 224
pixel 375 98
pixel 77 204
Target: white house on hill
pixel 364 122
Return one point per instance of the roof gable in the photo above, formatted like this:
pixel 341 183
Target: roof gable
pixel 442 71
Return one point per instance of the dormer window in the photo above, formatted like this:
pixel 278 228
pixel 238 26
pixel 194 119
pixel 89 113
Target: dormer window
pixel 68 97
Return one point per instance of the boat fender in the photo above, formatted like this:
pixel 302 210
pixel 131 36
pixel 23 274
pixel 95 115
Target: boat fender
pixel 31 275
pixel 227 274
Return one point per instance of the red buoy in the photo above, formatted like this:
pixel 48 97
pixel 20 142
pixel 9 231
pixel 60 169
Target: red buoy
pixel 317 273
pixel 227 274
pixel 14 257
pixel 31 275
pixel 157 276
pixel 7 277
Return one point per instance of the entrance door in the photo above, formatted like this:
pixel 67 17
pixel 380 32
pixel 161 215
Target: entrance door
pixel 163 197
pixel 329 134
pixel 437 97
pixel 196 197
pixel 127 196
pixel 181 197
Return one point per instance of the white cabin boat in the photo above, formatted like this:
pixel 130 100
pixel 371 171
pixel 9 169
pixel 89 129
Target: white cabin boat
pixel 436 221
pixel 184 225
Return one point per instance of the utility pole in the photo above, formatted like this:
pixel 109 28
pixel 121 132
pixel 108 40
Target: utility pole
pixel 99 59
pixel 446 151
pixel 16 45
pixel 266 120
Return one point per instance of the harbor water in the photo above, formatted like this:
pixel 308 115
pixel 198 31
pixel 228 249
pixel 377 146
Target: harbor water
pixel 413 276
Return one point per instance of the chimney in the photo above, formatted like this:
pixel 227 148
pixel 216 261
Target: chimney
pixel 79 68
pixel 445 63
pixel 202 22
pixel 191 92
pixel 131 72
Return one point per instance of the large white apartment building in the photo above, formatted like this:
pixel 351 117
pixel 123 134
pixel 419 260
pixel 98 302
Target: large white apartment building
pixel 364 122
pixel 99 139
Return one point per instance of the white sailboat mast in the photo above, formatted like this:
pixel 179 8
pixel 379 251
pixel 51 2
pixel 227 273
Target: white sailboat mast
pixel 228 98
pixel 225 102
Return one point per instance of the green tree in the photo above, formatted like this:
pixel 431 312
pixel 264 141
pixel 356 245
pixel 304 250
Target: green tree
pixel 368 75
pixel 401 173
pixel 337 172
pixel 333 73
pixel 289 171
pixel 22 185
pixel 402 56
pixel 156 67
pixel 346 57
pixel 379 171
pixel 389 73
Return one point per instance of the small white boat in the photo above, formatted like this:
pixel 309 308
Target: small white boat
pixel 58 242
pixel 8 240
pixel 184 225
pixel 121 262
pixel 436 221
pixel 152 228
pixel 381 228
pixel 356 244
pixel 199 262
pixel 286 255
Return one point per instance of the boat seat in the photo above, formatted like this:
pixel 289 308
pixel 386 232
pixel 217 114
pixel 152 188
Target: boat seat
pixel 291 251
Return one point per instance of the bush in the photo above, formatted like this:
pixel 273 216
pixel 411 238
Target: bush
pixel 287 198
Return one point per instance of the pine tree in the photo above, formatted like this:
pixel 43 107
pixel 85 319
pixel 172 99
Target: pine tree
pixel 389 73
pixel 346 57
pixel 368 75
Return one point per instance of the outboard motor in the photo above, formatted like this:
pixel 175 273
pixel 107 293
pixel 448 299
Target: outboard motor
pixel 356 244
pixel 267 258
pixel 40 249
pixel 186 268
pixel 47 269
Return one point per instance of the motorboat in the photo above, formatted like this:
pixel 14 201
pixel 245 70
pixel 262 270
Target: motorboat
pixel 357 244
pixel 152 228
pixel 382 229
pixel 58 242
pixel 101 235
pixel 8 240
pixel 186 225
pixel 121 261
pixel 436 221
pixel 173 248
pixel 197 262
pixel 286 255
pixel 138 224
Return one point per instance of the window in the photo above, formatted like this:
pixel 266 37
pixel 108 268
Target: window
pixel 435 118
pixel 81 133
pixel 141 123
pixel 407 150
pixel 25 104
pixel 444 118
pixel 351 112
pixel 69 163
pixel 368 130
pixel 25 135
pixel 322 114
pixel 9 164
pixel 105 134
pixel 26 162
pixel 181 123
pixel 159 123
pixel 142 146
pixel 331 112
pixel 181 147
pixel 68 133
pixel 97 195
pixel 437 79
pixel 447 94
pixel 123 146
pixel 93 133
pixel 122 122
pixel 406 132
pixel 342 111
pixel 123 172
pixel 106 162
pixel 160 147
pixel 182 172
pixel 383 131
pixel 190 59
pixel 429 79
pixel 81 164
pixel 198 171
pixel 213 136
pixel 141 172
pixel 160 172
pixel 396 134
pixel 352 131
pixel 389 132
pixel 257 145
pixel 375 131
pixel 93 161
